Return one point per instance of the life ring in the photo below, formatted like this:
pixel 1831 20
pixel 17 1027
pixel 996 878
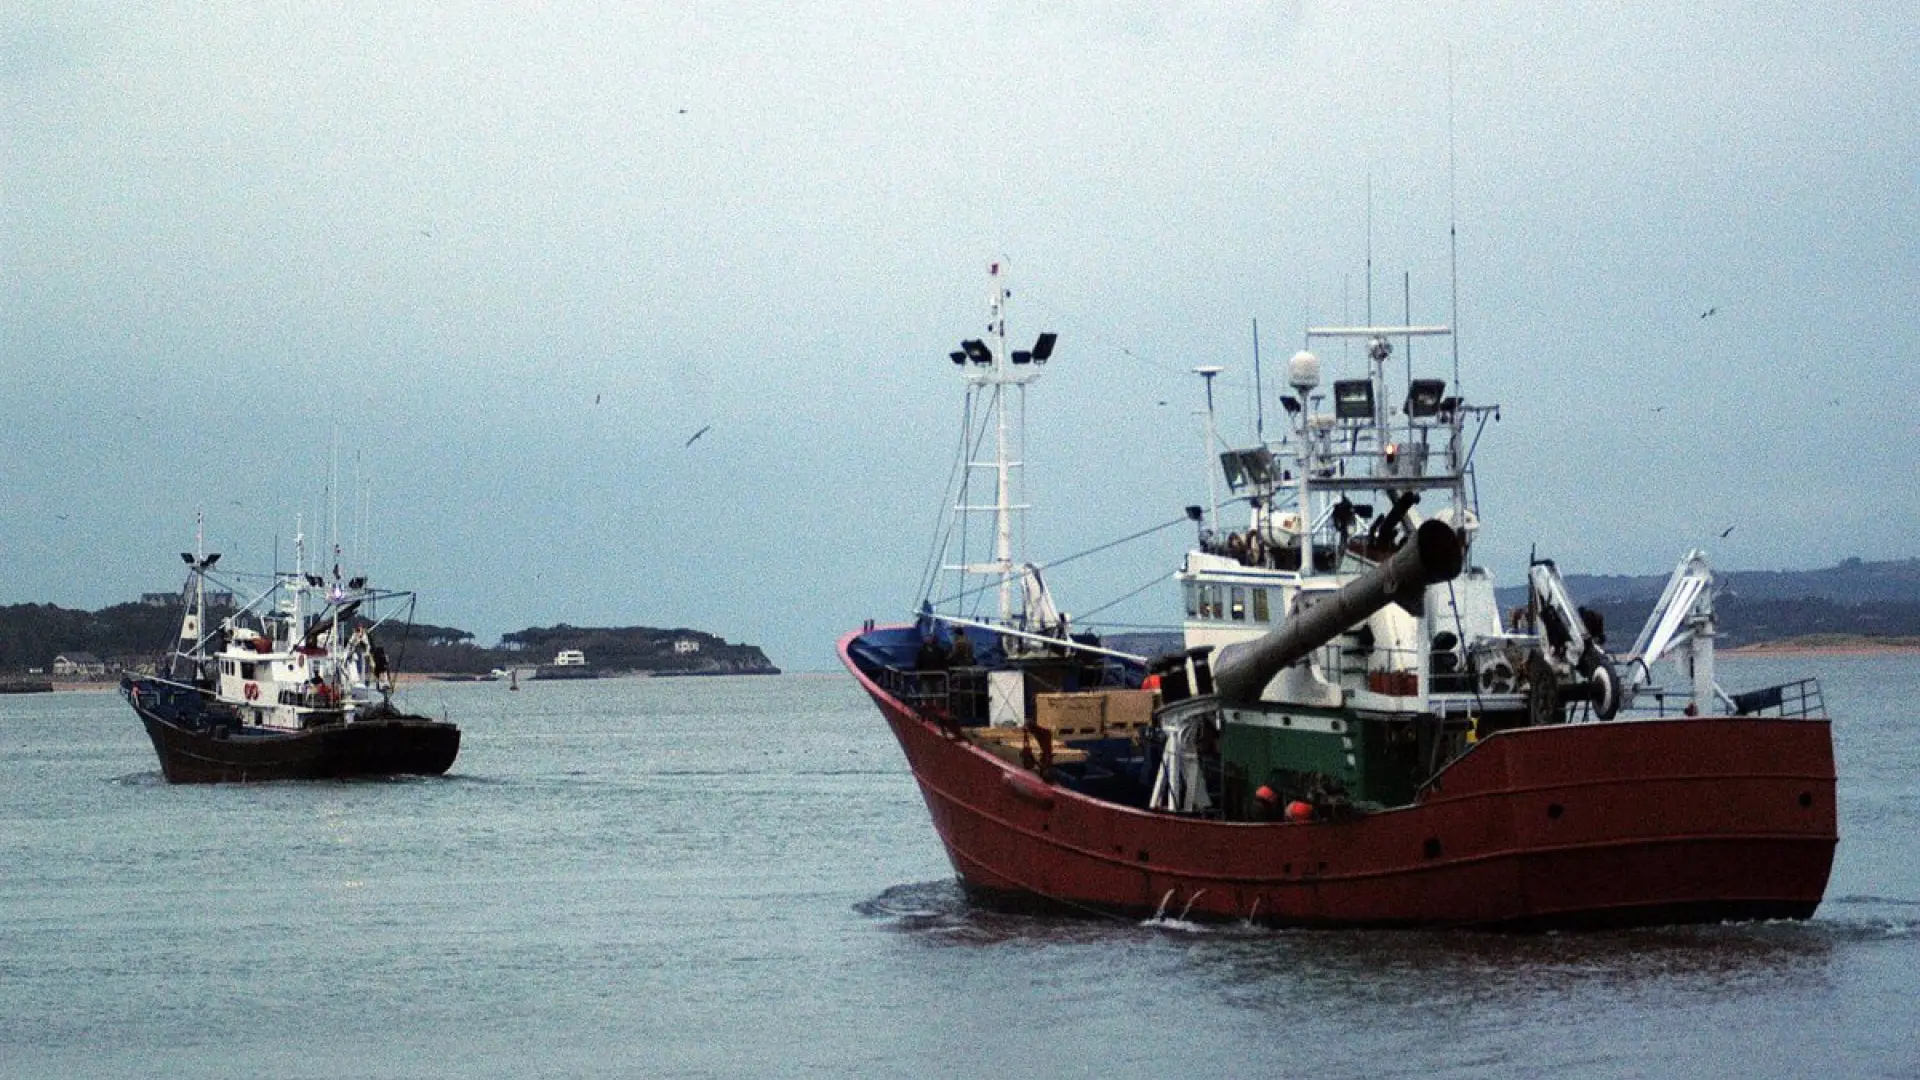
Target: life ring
pixel 1606 684
pixel 253 691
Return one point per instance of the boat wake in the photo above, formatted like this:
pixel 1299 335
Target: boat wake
pixel 917 905
pixel 943 911
pixel 140 779
pixel 1868 918
pixel 158 779
pixel 1890 901
pixel 940 912
pixel 1166 919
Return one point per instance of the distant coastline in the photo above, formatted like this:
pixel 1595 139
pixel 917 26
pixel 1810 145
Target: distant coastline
pixel 1829 645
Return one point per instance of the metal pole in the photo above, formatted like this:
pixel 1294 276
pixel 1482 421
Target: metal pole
pixel 1259 398
pixel 1207 372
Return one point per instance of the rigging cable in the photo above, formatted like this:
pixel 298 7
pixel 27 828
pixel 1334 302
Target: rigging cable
pixel 943 522
pixel 1151 582
pixel 1077 555
pixel 964 467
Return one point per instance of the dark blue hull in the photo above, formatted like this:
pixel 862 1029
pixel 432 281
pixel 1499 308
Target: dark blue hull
pixel 200 743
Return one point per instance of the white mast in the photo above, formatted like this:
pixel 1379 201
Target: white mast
pixel 1003 505
pixel 990 367
pixel 200 564
pixel 193 623
pixel 297 607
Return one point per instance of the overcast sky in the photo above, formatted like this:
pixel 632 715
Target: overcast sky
pixel 509 257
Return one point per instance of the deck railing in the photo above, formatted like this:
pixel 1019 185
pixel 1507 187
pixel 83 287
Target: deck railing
pixel 1800 699
pixel 958 694
pixel 1797 700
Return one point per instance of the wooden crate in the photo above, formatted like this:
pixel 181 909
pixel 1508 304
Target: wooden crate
pixel 1070 716
pixel 1007 743
pixel 1002 749
pixel 1128 712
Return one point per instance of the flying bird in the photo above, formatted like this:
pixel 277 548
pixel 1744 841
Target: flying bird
pixel 596 399
pixel 1710 311
pixel 696 435
pixel 1724 532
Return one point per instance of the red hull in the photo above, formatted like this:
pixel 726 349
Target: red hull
pixel 1573 826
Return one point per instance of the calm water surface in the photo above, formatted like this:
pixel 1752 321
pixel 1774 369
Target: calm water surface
pixel 736 877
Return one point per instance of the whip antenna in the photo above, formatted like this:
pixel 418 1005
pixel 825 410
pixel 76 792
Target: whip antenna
pixel 1453 231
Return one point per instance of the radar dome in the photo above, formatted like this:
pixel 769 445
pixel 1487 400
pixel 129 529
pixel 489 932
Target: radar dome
pixel 1303 371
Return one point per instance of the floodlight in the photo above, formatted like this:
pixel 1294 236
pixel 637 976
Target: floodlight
pixel 1424 396
pixel 1353 399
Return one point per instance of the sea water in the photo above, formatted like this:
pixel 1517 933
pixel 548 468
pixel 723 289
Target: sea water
pixel 736 877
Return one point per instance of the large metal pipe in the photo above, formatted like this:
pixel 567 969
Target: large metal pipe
pixel 1243 669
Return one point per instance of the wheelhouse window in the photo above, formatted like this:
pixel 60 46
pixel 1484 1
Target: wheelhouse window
pixel 1261 613
pixel 1193 600
pixel 1239 604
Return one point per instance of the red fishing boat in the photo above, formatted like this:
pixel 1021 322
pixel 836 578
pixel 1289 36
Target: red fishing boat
pixel 1352 731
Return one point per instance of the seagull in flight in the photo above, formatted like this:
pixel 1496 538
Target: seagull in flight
pixel 1725 532
pixel 696 435
pixel 1710 311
